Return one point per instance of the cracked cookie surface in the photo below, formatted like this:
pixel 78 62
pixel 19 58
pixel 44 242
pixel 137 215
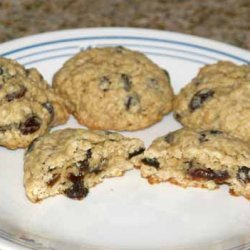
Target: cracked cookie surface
pixel 199 158
pixel 28 106
pixel 114 88
pixel 218 98
pixel 71 161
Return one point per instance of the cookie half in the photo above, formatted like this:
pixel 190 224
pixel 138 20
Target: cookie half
pixel 195 158
pixel 218 98
pixel 114 89
pixel 28 106
pixel 71 161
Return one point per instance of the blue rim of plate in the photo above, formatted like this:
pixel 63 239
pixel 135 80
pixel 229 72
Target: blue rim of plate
pixel 31 243
pixel 183 45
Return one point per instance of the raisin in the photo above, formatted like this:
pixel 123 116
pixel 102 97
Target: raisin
pixel 131 101
pixel 89 153
pixel 104 83
pixel 208 174
pixel 31 125
pixel 203 137
pixel 244 174
pixel 50 109
pixel 167 75
pixel 128 102
pixel 75 178
pixel 169 138
pixel 221 176
pixel 201 174
pixel 177 116
pixel 84 165
pixel 53 180
pixel 125 81
pixel 96 170
pixel 203 134
pixel 199 98
pixel 136 152
pixel 16 95
pixel 77 190
pixel 151 162
pixel 215 132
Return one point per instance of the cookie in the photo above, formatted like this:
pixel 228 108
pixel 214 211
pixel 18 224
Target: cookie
pixel 114 89
pixel 218 98
pixel 28 106
pixel 71 161
pixel 198 158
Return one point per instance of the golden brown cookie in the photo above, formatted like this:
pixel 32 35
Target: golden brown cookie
pixel 28 106
pixel 114 88
pixel 218 98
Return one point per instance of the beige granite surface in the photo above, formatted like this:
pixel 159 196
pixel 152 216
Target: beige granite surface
pixel 224 20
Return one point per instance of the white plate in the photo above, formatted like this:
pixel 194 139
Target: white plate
pixel 127 212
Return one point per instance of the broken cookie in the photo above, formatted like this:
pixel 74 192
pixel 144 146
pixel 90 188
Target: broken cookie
pixel 71 161
pixel 198 158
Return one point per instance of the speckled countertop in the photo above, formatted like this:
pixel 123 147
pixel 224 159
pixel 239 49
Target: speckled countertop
pixel 224 20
